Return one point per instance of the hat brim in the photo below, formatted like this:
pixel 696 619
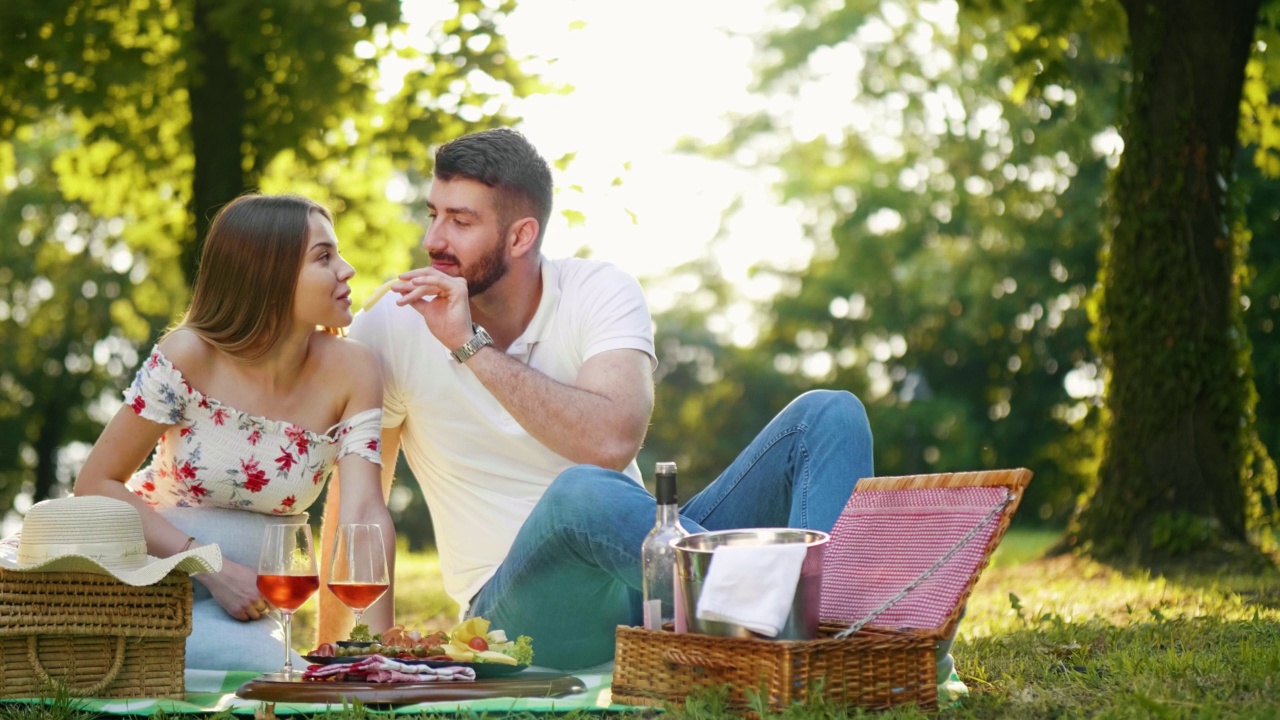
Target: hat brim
pixel 206 558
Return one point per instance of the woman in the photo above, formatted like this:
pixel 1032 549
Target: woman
pixel 253 399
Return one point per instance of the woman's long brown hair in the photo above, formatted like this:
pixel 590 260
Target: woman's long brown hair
pixel 248 272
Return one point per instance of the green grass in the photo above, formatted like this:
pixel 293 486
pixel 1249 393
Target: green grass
pixel 1073 638
pixel 1022 546
pixel 1043 638
pixel 1063 637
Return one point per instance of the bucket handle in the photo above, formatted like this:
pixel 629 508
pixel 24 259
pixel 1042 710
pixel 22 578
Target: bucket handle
pixel 691 659
pixel 90 690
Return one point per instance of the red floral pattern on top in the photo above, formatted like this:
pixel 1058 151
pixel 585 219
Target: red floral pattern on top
pixel 217 456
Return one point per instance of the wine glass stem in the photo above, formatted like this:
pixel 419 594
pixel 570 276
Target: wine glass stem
pixel 288 642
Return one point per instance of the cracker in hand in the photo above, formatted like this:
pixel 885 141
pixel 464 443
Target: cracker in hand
pixel 381 290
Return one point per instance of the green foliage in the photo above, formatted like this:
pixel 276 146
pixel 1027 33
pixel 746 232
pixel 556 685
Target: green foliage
pixel 129 75
pixel 148 116
pixel 1046 38
pixel 955 236
pixel 74 304
pixel 1262 317
pixel 956 219
pixel 1259 115
pixel 711 396
pixel 1181 533
pixel 1258 189
pixel 1180 454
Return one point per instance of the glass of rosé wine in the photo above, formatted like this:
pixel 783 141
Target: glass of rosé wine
pixel 358 568
pixel 287 577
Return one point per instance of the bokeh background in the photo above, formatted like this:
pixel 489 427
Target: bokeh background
pixel 910 200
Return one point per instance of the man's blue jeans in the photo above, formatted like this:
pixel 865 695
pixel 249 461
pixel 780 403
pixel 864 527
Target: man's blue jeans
pixel 573 573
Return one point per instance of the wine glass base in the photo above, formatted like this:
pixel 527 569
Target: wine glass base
pixel 283 675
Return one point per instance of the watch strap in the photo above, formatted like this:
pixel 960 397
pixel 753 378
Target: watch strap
pixel 472 346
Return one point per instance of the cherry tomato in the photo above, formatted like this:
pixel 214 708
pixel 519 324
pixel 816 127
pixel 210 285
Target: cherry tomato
pixel 478 644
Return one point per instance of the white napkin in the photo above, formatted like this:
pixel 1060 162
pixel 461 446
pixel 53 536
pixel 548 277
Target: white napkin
pixel 752 586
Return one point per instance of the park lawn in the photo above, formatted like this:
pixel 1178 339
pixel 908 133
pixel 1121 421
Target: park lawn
pixel 1066 637
pixel 1059 637
pixel 1043 638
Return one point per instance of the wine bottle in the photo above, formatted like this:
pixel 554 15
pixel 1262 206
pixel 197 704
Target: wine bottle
pixel 657 555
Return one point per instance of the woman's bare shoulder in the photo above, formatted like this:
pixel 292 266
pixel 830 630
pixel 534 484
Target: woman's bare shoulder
pixel 346 357
pixel 357 366
pixel 342 351
pixel 187 351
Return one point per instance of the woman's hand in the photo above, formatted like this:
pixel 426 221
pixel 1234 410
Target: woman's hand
pixel 236 590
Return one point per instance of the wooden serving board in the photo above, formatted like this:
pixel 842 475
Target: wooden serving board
pixel 526 684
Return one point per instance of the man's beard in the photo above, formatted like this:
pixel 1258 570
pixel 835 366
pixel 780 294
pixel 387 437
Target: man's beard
pixel 489 268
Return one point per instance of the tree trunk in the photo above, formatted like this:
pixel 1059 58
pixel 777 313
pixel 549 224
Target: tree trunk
pixel 217 97
pixel 53 427
pixel 59 393
pixel 1176 472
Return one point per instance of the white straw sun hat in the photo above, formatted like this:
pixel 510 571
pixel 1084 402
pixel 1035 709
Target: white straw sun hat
pixel 96 534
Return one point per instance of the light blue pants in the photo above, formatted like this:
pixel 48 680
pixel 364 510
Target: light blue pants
pixel 573 573
pixel 217 640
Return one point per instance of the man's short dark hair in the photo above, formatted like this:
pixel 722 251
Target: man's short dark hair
pixel 505 160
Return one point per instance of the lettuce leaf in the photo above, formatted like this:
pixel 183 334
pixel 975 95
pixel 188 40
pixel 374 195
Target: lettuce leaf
pixel 522 651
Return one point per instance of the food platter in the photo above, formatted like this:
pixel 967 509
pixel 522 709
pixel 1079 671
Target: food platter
pixel 483 670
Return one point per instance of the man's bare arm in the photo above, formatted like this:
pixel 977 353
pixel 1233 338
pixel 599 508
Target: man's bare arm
pixel 599 420
pixel 390 454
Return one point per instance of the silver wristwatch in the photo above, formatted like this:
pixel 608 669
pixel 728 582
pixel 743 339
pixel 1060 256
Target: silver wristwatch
pixel 472 346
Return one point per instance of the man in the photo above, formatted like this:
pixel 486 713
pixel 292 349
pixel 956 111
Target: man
pixel 520 388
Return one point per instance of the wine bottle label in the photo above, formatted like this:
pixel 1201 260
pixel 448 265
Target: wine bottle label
pixel 653 614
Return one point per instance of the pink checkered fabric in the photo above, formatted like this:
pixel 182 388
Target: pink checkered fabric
pixel 886 539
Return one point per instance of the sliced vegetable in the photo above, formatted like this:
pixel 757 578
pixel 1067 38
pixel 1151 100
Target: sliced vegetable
pixel 492 656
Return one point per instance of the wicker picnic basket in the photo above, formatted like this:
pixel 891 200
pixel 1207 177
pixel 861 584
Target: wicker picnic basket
pixel 901 563
pixel 92 635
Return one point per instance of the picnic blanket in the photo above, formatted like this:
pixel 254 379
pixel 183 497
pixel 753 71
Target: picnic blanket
pixel 213 691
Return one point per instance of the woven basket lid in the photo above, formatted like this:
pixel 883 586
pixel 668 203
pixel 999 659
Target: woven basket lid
pixel 907 551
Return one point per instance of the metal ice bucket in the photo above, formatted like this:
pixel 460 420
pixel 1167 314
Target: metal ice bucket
pixel 693 560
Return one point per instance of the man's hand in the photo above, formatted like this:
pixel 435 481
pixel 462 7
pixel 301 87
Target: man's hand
pixel 599 418
pixel 442 300
pixel 235 588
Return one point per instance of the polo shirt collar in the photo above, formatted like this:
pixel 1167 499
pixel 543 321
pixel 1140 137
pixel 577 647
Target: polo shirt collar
pixel 540 326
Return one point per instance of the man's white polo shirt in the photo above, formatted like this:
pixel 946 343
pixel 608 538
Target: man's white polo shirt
pixel 480 471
